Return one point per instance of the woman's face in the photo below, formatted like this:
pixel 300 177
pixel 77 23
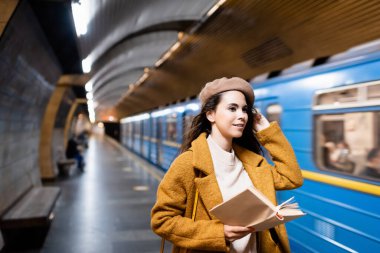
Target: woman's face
pixel 230 116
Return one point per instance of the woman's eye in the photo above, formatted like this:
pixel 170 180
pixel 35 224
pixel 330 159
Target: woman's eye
pixel 232 109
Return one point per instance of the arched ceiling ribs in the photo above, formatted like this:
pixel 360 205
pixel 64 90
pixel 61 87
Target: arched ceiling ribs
pixel 107 101
pixel 119 83
pixel 176 26
pixel 113 25
pixel 125 64
pixel 139 52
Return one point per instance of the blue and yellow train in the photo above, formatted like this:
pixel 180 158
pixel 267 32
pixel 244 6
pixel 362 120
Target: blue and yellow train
pixel 329 109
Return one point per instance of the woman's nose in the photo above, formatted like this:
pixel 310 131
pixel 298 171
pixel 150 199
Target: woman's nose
pixel 242 114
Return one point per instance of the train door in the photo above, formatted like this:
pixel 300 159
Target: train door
pixel 187 119
pixel 132 135
pixel 149 139
pixel 191 110
pixel 154 141
pixel 146 138
pixel 137 134
pixel 142 134
pixel 159 150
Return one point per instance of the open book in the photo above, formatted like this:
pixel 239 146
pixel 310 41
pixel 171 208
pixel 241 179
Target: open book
pixel 251 208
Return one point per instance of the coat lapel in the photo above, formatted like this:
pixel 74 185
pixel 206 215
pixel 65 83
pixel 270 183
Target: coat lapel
pixel 251 163
pixel 209 191
pixel 206 183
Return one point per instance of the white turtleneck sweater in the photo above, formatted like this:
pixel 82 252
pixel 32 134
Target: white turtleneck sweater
pixel 232 179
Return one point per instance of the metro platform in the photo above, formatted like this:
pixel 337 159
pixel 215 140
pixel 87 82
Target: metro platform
pixel 107 207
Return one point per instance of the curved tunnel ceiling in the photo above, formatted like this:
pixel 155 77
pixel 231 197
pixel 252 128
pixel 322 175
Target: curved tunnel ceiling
pixel 112 21
pixel 125 64
pixel 126 38
pixel 241 38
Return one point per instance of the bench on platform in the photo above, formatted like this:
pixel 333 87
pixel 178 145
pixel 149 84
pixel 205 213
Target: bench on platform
pixel 66 166
pixel 26 224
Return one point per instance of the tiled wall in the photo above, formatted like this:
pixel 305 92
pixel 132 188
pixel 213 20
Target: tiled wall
pixel 28 73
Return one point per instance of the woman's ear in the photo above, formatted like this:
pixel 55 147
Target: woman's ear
pixel 210 116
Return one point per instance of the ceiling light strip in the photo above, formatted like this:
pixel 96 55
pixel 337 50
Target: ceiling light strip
pixel 215 8
pixel 168 53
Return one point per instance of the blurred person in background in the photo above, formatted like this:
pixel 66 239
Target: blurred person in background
pixel 73 151
pixel 372 168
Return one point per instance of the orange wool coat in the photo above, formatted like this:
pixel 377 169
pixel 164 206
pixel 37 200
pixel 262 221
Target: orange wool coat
pixel 171 214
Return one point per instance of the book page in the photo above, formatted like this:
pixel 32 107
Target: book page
pixel 291 212
pixel 243 209
pixel 253 208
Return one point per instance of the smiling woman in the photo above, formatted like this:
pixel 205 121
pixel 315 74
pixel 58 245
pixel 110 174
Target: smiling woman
pixel 221 156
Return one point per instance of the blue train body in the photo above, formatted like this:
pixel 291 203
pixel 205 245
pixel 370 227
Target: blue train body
pixel 332 105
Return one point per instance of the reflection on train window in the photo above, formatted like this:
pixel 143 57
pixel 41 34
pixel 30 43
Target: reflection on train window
pixel 348 143
pixel 374 92
pixel 359 95
pixel 274 112
pixel 340 96
pixel 171 127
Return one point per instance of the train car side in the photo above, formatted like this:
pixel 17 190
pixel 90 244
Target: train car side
pixel 342 207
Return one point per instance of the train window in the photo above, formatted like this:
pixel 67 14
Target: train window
pixel 340 96
pixel 374 92
pixel 274 112
pixel 171 127
pixel 358 95
pixel 349 143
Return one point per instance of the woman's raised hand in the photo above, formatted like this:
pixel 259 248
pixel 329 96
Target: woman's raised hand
pixel 233 233
pixel 260 122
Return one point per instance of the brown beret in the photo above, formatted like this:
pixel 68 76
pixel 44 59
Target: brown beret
pixel 226 84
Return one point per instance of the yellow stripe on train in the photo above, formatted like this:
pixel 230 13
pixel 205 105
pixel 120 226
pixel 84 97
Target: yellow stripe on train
pixel 342 182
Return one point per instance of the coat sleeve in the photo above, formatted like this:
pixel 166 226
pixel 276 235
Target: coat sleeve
pixel 168 214
pixel 286 172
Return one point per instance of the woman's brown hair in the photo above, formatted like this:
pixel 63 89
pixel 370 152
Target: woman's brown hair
pixel 201 124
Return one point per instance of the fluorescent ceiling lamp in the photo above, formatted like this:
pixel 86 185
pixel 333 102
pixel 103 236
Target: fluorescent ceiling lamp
pixel 162 113
pixel 91 111
pixel 88 86
pixel 81 16
pixel 86 65
pixel 193 106
pixel 136 118
pixel 215 7
pixel 168 53
pixel 179 109
pixel 89 95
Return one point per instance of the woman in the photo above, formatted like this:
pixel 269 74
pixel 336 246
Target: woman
pixel 221 157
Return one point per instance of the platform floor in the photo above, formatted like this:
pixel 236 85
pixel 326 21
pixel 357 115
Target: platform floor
pixel 106 208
